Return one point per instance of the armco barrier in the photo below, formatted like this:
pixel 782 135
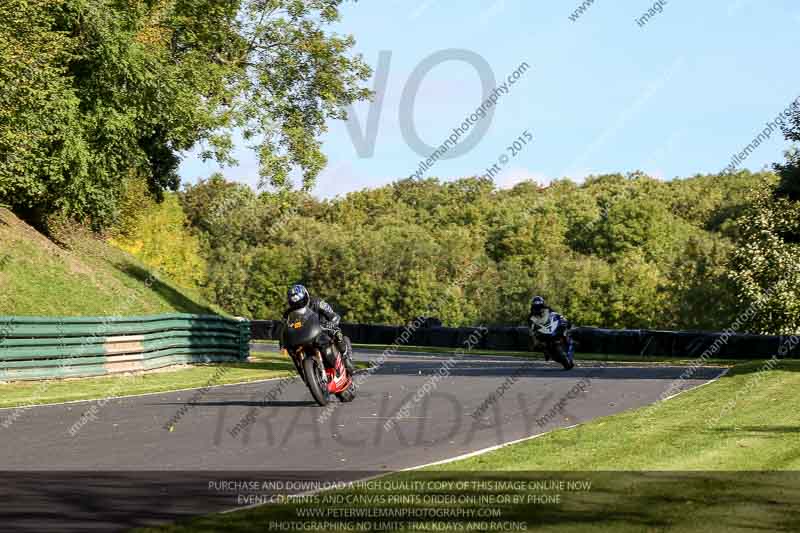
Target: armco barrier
pixel 38 348
pixel 638 342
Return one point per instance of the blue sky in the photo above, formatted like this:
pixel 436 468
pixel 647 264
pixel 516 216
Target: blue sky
pixel 676 97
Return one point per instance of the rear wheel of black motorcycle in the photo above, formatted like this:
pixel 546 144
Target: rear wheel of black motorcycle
pixel 316 382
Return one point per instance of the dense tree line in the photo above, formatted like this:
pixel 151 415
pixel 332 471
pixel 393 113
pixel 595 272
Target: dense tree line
pixel 620 251
pixel 614 251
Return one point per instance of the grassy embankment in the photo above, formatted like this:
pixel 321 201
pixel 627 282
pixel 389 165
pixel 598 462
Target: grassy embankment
pixel 84 276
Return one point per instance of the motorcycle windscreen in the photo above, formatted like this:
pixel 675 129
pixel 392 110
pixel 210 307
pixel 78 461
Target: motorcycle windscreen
pixel 302 327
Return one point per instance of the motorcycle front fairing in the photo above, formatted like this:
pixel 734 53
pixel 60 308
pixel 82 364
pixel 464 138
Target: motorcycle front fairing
pixel 302 327
pixel 550 328
pixel 305 329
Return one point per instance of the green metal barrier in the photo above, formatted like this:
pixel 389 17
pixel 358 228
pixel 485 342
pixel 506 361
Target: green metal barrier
pixel 41 348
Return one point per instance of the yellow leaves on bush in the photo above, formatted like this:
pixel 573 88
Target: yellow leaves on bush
pixel 162 240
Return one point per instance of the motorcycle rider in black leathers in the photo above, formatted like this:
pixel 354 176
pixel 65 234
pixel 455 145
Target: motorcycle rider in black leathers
pixel 297 296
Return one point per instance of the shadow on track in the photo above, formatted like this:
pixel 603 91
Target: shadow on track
pixel 273 403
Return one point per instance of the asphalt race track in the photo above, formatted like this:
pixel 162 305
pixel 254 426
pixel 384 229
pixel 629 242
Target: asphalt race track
pixel 124 469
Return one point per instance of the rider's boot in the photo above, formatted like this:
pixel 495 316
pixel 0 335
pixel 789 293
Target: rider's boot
pixel 347 357
pixel 345 350
pixel 570 352
pixel 329 357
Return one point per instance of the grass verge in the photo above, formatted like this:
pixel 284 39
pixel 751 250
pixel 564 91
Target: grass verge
pixel 262 366
pixel 723 457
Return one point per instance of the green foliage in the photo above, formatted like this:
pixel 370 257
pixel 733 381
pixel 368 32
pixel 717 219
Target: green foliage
pixel 766 265
pixel 133 204
pixel 789 171
pixel 701 294
pixel 789 185
pixel 42 154
pixel 765 268
pixel 161 240
pixel 616 251
pixel 94 90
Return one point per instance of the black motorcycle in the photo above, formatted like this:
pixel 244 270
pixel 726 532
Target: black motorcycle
pixel 316 357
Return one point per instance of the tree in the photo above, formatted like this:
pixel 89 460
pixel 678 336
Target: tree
pixel 42 153
pixel 789 171
pixel 765 267
pixel 616 251
pixel 700 293
pixel 97 89
pixel 789 186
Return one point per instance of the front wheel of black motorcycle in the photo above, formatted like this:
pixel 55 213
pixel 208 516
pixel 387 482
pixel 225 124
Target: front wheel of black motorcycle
pixel 316 381
pixel 348 395
pixel 561 357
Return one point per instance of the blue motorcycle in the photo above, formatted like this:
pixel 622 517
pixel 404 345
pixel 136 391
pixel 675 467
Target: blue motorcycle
pixel 554 339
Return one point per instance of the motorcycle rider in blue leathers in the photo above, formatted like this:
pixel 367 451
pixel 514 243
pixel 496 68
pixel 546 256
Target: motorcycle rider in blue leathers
pixel 544 322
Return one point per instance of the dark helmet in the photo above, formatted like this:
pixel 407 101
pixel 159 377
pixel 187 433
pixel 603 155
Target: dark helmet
pixel 297 296
pixel 537 305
